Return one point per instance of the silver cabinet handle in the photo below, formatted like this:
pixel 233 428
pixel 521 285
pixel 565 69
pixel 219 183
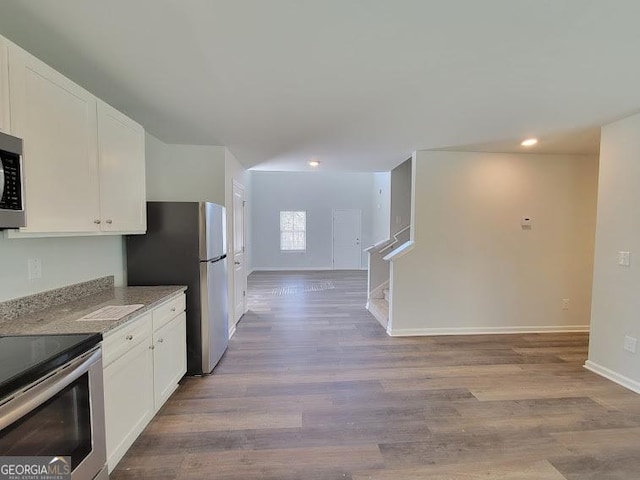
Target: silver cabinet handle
pixel 109 221
pixel 237 263
pixel 161 340
pixel 129 337
pixel 152 347
pixel 97 222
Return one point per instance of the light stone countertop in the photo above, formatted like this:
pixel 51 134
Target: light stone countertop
pixel 62 319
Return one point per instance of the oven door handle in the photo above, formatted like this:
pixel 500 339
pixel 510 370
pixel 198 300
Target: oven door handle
pixel 1 179
pixel 32 397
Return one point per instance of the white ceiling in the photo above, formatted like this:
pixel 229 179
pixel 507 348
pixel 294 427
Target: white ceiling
pixel 357 84
pixel 585 141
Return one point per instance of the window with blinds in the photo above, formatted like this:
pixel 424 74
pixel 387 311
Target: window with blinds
pixel 293 231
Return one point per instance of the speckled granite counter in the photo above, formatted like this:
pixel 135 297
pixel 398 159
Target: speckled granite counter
pixel 63 318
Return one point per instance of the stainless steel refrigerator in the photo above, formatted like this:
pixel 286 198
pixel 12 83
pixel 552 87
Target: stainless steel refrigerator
pixel 185 244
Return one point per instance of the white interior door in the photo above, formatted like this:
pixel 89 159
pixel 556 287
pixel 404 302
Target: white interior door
pixel 347 253
pixel 239 275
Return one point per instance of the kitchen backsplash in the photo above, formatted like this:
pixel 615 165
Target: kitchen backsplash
pixel 40 301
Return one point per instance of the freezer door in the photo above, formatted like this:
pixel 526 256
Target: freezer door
pixel 215 320
pixel 213 231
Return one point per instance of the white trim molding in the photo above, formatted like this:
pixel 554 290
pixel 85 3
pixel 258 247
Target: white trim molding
pixel 291 269
pixel 430 332
pixel 401 251
pixel 626 382
pixel 306 269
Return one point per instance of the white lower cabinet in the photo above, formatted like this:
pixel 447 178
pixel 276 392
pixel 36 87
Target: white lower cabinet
pixel 143 362
pixel 169 358
pixel 128 399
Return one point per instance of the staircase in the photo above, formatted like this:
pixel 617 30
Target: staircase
pixel 378 288
pixel 379 308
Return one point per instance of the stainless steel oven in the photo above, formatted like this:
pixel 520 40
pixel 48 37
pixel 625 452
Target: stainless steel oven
pixel 61 414
pixel 12 211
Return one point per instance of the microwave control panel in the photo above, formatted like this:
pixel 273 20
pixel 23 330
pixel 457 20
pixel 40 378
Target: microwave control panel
pixel 11 190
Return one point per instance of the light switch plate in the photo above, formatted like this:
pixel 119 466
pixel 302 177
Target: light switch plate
pixel 34 268
pixel 630 344
pixel 624 259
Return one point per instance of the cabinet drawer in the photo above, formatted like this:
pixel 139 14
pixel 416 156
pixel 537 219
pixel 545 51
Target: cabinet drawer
pixel 167 311
pixel 123 339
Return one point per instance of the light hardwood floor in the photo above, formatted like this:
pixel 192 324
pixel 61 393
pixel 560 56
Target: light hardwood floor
pixel 313 388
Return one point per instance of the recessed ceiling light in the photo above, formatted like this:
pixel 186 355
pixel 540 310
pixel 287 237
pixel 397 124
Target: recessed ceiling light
pixel 529 142
pixel 314 163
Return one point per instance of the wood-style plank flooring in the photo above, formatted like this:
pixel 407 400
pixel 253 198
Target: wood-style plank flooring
pixel 313 388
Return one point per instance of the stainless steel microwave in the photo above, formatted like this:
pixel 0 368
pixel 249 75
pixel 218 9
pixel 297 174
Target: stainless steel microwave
pixel 12 212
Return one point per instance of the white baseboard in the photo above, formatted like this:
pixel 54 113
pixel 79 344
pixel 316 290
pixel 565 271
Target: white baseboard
pixel 303 269
pixel 290 269
pixel 232 331
pixel 626 382
pixel 428 332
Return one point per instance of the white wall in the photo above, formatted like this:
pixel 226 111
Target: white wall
pixel 473 268
pixel 616 296
pixel 381 207
pixel 185 173
pixel 65 261
pixel 400 214
pixel 194 173
pixel 319 193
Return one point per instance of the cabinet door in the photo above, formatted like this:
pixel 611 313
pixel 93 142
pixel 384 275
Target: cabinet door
pixel 4 87
pixel 122 173
pixel 169 358
pixel 57 121
pixel 128 395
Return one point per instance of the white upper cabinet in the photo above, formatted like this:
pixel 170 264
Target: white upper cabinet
pixel 122 172
pixel 4 87
pixel 57 121
pixel 84 162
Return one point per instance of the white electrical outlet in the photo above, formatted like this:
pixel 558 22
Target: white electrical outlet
pixel 565 304
pixel 34 268
pixel 624 259
pixel 630 344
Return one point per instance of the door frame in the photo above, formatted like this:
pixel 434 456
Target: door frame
pixel 237 185
pixel 333 233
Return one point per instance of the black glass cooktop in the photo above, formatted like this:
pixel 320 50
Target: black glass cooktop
pixel 24 359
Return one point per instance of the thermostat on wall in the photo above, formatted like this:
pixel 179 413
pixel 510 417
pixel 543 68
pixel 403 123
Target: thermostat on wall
pixel 525 223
